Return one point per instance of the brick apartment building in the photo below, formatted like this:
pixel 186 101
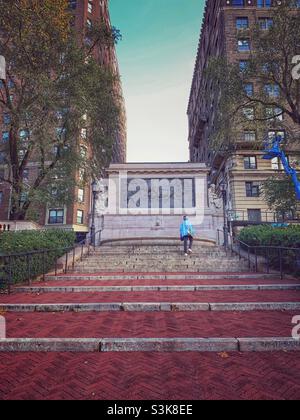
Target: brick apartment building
pixel 225 33
pixel 75 216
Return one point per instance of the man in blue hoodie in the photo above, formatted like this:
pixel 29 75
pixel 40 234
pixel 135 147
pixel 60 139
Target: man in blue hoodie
pixel 187 235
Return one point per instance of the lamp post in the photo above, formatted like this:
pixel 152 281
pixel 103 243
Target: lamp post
pixel 225 228
pixel 2 68
pixel 94 198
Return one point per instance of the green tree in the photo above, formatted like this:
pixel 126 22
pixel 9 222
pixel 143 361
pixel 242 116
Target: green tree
pixel 55 94
pixel 271 71
pixel 279 194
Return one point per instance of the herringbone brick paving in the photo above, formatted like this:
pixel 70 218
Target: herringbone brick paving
pixel 203 296
pixel 123 376
pixel 158 324
pixel 170 282
pixel 148 376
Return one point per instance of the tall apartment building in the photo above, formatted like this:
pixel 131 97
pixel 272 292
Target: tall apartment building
pixel 76 216
pixel 225 33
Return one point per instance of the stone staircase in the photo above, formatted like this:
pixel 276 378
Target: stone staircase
pixel 163 258
pixel 134 322
pixel 120 285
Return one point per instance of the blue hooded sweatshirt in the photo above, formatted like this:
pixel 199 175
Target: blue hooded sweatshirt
pixel 186 229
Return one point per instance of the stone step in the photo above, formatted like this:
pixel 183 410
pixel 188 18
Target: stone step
pixel 88 270
pixel 157 254
pixel 166 262
pixel 150 276
pixel 128 269
pixel 142 324
pixel 160 283
pixel 178 266
pixel 155 288
pixel 150 344
pixel 151 307
pixel 154 248
pixel 217 296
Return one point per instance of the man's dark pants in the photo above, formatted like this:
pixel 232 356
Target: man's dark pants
pixel 188 240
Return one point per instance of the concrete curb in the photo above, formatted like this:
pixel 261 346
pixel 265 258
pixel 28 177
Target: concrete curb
pixel 151 307
pixel 149 344
pixel 268 344
pixel 49 345
pixel 256 306
pixel 179 288
pixel 169 345
pixel 167 276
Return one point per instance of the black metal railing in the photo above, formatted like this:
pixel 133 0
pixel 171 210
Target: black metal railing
pixel 267 258
pixel 236 216
pixel 32 264
pixel 280 259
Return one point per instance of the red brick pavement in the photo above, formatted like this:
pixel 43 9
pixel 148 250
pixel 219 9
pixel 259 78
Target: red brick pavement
pixel 210 297
pixel 148 376
pixel 138 324
pixel 163 282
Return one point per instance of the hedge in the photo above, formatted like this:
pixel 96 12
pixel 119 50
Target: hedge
pixel 266 235
pixel 55 240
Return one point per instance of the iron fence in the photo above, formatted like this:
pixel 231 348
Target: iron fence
pixel 25 266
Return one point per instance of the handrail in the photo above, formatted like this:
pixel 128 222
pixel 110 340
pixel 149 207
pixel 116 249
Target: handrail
pixel 89 242
pixel 267 252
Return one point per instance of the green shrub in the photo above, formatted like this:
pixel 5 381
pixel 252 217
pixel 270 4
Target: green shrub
pixel 268 236
pixel 23 267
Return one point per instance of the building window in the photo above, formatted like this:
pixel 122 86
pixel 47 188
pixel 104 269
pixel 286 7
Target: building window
pixel 273 134
pixel 248 113
pixel 84 133
pixel 6 118
pixel 56 217
pixel 26 175
pixel 272 90
pixel 80 195
pixel 79 217
pixel 24 134
pixel 249 89
pixel 250 136
pixel 89 23
pixel 275 114
pixel 1 197
pixel 5 136
pixel 264 3
pixel 254 215
pixel 81 175
pixel 244 65
pixel 242 23
pixel 276 164
pixel 2 158
pixel 238 3
pixel 265 23
pixel 90 6
pixel 252 189
pixel 244 45
pixel 61 133
pixel 83 152
pixel 73 4
pixel 250 162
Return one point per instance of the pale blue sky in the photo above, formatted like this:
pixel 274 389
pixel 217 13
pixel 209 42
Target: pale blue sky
pixel 156 59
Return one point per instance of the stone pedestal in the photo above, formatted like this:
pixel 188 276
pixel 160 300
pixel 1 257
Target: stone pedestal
pixel 148 201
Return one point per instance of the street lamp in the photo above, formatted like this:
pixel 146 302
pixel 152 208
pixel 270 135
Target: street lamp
pixel 2 68
pixel 225 228
pixel 94 198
